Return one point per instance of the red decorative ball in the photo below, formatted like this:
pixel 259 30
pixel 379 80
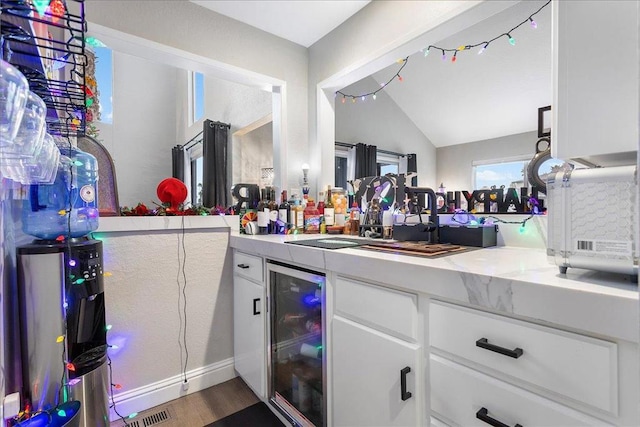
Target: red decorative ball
pixel 172 191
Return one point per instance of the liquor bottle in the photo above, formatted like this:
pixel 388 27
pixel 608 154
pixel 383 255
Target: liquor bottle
pixel 297 217
pixel 273 212
pixel 320 205
pixel 263 213
pixel 354 219
pixel 329 210
pixel 284 213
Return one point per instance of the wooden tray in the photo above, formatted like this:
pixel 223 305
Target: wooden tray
pixel 414 248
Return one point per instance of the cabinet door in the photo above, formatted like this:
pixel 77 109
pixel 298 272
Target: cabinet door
pixel 367 378
pixel 249 332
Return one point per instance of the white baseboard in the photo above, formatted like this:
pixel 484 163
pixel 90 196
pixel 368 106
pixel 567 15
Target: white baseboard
pixel 160 392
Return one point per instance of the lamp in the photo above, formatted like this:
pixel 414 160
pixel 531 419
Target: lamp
pixel 305 181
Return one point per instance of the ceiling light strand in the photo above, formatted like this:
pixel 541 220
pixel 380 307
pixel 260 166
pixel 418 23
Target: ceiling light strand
pixel 483 46
pixel 373 94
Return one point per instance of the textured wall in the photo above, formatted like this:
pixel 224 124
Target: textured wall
pixel 142 302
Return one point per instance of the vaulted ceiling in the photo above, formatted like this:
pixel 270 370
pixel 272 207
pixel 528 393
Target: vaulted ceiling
pixel 479 96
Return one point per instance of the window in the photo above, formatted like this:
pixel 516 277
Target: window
pixel 104 82
pixel 497 174
pixel 196 96
pixel 511 173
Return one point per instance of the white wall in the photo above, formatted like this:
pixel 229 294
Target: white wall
pixel 191 28
pixel 454 163
pixel 144 127
pixel 252 152
pixel 383 124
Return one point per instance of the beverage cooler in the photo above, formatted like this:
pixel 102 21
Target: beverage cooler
pixel 297 366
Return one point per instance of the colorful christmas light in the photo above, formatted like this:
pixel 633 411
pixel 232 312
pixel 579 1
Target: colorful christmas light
pixel 482 47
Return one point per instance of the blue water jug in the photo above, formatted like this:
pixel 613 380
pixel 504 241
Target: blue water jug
pixel 69 206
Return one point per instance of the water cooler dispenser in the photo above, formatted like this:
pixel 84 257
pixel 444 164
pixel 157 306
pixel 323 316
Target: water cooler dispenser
pixel 61 295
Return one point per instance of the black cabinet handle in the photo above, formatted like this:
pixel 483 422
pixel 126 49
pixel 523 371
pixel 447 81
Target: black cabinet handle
pixel 404 394
pixel 484 343
pixel 255 310
pixel 483 414
pixel 243 266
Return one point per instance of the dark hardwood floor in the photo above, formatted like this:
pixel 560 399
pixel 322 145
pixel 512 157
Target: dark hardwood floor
pixel 200 408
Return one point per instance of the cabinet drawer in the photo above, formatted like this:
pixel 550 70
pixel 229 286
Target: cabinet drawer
pixel 581 368
pixel 458 393
pixel 249 266
pixel 387 310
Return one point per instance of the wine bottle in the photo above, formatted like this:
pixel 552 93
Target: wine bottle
pixel 263 213
pixel 329 210
pixel 273 212
pixel 284 212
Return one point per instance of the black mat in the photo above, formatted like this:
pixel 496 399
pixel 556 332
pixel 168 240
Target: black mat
pixel 258 415
pixel 331 242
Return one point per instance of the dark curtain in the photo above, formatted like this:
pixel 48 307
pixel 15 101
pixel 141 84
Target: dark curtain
pixel 412 166
pixel 177 162
pixel 366 160
pixel 214 174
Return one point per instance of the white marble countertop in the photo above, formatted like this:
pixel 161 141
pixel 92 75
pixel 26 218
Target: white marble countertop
pixel 517 281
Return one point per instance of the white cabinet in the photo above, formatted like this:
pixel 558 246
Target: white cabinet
pixel 375 377
pixel 595 69
pixel 524 373
pixel 466 397
pixel 376 357
pixel 249 322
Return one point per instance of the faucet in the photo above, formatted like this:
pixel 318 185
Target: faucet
pixel 414 193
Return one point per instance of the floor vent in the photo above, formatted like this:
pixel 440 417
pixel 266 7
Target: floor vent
pixel 151 420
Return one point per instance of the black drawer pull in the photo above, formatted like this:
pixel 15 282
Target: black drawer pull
pixel 243 266
pixel 404 394
pixel 255 310
pixel 484 343
pixel 483 414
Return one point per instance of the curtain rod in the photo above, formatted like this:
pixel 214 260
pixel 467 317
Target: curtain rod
pixel 349 145
pixel 193 141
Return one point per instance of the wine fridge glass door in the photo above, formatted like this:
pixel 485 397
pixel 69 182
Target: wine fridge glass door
pixel 297 344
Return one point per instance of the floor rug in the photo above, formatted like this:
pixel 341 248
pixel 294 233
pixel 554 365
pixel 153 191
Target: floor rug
pixel 258 415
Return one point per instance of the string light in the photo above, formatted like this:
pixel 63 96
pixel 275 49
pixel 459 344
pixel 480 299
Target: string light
pixel 92 41
pixel 132 415
pixel 60 339
pixel 74 381
pixel 71 366
pixel 41 6
pixel 482 45
pixel 57 10
pixel 108 327
pixel 382 85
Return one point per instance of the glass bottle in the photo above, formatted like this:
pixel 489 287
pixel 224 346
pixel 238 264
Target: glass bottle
pixel 263 213
pixel 273 212
pixel 329 210
pixel 284 212
pixel 298 217
pixel 354 218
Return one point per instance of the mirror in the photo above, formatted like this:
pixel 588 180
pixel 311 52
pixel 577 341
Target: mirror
pixel 154 98
pixel 452 113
